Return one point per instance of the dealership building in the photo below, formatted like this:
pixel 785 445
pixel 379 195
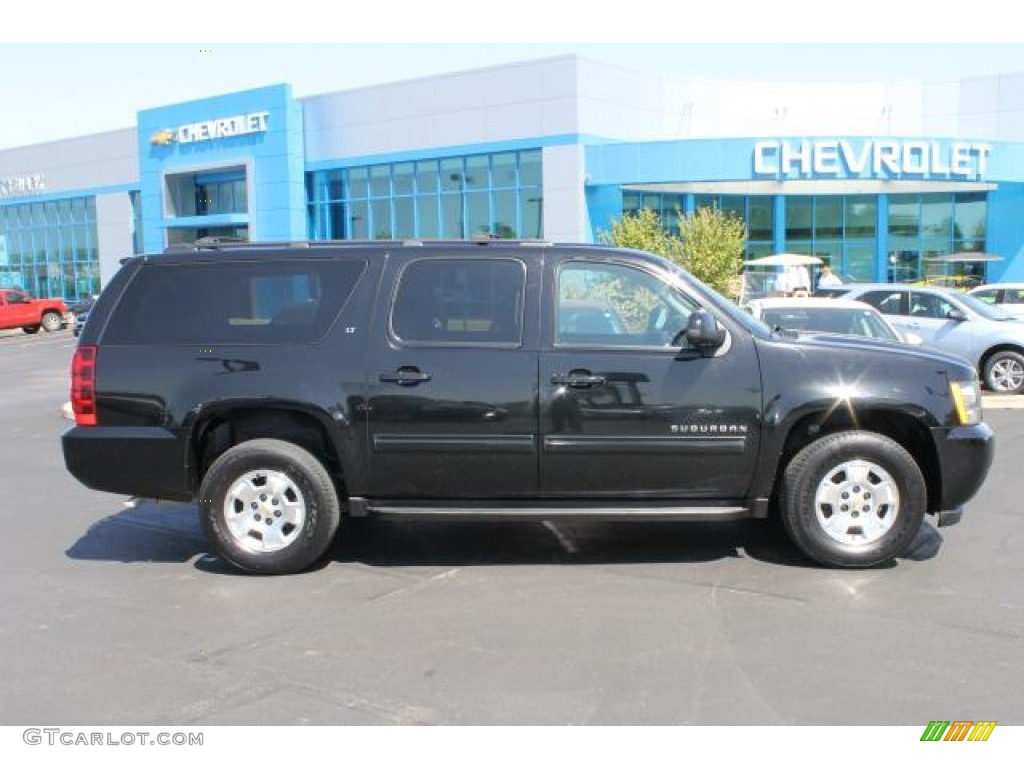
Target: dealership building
pixel 881 178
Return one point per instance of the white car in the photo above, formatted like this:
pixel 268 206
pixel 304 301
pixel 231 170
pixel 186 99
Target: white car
pixel 821 315
pixel 1008 296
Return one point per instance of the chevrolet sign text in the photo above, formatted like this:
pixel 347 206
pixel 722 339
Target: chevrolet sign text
pixel 869 158
pixel 208 130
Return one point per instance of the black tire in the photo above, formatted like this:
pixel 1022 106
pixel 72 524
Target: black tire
pixel 52 321
pixel 1004 372
pixel 294 481
pixel 873 470
pixel 30 329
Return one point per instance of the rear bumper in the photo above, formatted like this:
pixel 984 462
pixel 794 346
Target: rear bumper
pixel 965 455
pixel 135 461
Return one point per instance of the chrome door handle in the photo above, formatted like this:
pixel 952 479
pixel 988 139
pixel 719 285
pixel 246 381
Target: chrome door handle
pixel 578 380
pixel 406 377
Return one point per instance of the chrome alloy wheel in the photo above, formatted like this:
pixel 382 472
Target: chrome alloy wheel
pixel 1007 374
pixel 856 503
pixel 264 511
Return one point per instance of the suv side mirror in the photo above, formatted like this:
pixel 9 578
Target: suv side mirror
pixel 703 332
pixel 956 314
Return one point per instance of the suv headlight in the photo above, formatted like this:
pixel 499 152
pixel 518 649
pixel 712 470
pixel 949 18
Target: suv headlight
pixel 967 401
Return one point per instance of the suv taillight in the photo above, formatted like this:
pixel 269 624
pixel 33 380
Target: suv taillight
pixel 83 386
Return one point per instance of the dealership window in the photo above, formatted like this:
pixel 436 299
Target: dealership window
pixel 667 207
pixel 839 229
pixel 207 193
pixel 925 227
pixel 454 197
pixel 49 249
pixel 758 212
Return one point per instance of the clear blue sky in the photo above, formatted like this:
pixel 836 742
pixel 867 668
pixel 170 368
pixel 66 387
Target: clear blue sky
pixel 62 87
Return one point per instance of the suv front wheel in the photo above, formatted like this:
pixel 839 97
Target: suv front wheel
pixel 269 507
pixel 853 499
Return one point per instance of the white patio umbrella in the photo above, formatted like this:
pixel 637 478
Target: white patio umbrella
pixel 784 260
pixel 964 257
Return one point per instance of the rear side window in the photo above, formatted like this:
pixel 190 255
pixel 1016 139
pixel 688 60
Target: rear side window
pixel 460 301
pixel 886 302
pixel 930 306
pixel 233 302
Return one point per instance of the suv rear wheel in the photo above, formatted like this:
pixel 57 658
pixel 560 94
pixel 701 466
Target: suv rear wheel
pixel 853 499
pixel 269 507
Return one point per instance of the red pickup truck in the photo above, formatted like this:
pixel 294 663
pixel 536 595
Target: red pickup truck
pixel 19 310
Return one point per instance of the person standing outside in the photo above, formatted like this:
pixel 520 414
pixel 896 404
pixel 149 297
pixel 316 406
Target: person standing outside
pixel 801 281
pixel 828 278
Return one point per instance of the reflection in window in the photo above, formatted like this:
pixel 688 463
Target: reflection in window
pixel 460 301
pixel 234 302
pixel 615 305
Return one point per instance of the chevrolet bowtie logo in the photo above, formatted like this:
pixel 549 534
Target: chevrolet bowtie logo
pixel 162 138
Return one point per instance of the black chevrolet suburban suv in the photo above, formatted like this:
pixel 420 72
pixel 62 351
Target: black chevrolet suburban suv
pixel 286 387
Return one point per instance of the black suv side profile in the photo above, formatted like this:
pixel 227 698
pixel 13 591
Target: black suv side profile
pixel 303 384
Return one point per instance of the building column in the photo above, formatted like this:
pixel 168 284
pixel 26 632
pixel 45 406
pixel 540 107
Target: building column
pixel 882 239
pixel 113 232
pixel 779 227
pixel 565 208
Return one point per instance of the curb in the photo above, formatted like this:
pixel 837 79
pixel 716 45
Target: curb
pixel 1002 402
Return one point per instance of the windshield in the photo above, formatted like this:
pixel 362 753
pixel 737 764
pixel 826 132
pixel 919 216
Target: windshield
pixel 844 320
pixel 988 311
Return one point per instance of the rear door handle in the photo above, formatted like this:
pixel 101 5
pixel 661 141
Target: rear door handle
pixel 578 379
pixel 406 376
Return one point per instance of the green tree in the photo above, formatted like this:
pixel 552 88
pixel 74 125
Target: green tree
pixel 712 247
pixel 709 246
pixel 643 231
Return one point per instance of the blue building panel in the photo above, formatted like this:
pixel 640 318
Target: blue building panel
pixel 259 130
pixel 1006 233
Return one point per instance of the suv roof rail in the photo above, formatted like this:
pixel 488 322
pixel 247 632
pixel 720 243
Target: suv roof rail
pixel 217 243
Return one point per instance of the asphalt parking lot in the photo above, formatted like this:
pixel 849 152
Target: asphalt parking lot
pixel 120 616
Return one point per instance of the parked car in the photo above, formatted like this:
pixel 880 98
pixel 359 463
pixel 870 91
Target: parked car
pixel 79 324
pixel 1008 296
pixel 80 310
pixel 820 315
pixel 303 384
pixel 945 319
pixel 19 310
pixel 83 304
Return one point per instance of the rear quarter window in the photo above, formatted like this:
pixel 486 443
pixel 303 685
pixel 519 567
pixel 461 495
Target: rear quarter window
pixel 233 302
